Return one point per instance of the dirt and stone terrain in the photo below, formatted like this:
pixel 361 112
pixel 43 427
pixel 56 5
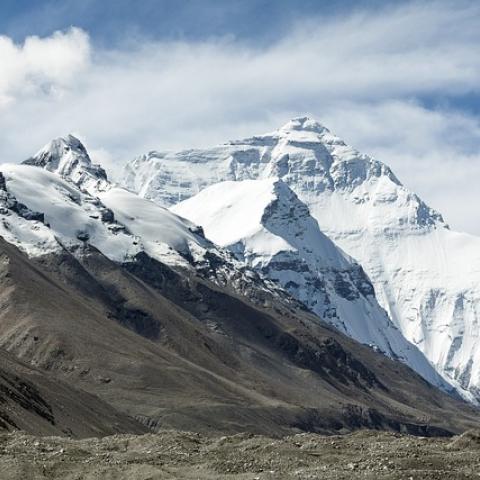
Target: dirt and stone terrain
pixel 174 455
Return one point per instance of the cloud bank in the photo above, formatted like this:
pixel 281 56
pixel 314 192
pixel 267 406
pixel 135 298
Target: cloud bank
pixel 390 82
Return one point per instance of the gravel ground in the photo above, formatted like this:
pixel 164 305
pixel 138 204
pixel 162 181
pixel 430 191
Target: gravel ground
pixel 177 455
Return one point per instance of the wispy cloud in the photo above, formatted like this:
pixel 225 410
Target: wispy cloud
pixel 365 76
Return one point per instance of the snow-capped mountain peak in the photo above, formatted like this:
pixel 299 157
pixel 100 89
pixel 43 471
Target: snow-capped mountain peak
pixel 58 200
pixel 261 221
pixel 299 129
pixel 425 275
pixel 307 130
pixel 266 215
pixel 305 155
pixel 68 157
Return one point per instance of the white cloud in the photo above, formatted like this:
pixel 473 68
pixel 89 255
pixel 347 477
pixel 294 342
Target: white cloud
pixel 359 74
pixel 41 65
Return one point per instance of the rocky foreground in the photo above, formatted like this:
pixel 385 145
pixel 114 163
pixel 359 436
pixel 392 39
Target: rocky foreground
pixel 174 455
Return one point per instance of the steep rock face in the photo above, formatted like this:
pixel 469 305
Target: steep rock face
pixel 268 228
pixel 425 275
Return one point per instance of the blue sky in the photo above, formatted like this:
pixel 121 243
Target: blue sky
pixel 398 80
pixel 108 20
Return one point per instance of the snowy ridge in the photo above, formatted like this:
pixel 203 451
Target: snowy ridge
pixel 73 216
pixel 80 205
pixel 303 153
pixel 60 200
pixel 268 228
pixel 425 276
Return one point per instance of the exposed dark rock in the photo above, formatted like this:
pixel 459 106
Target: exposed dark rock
pixel 182 352
pixel 24 394
pixel 344 288
pixel 83 236
pixel 107 215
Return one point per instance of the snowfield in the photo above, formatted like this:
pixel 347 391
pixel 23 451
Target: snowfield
pixel 73 216
pixel 82 206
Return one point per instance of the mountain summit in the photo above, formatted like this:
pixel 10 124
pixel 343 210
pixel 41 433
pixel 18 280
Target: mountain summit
pixel 68 157
pixel 303 153
pixel 306 124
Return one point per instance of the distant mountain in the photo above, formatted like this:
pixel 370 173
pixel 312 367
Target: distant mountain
pixel 426 276
pixel 111 295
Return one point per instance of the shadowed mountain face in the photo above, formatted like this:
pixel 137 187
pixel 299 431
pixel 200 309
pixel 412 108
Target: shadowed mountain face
pixel 174 350
pixel 31 400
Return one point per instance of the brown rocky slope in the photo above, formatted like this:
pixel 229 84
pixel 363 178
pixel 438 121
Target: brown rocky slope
pixel 174 350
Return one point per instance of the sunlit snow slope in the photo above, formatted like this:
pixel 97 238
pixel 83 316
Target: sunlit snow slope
pixel 74 204
pixel 426 276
